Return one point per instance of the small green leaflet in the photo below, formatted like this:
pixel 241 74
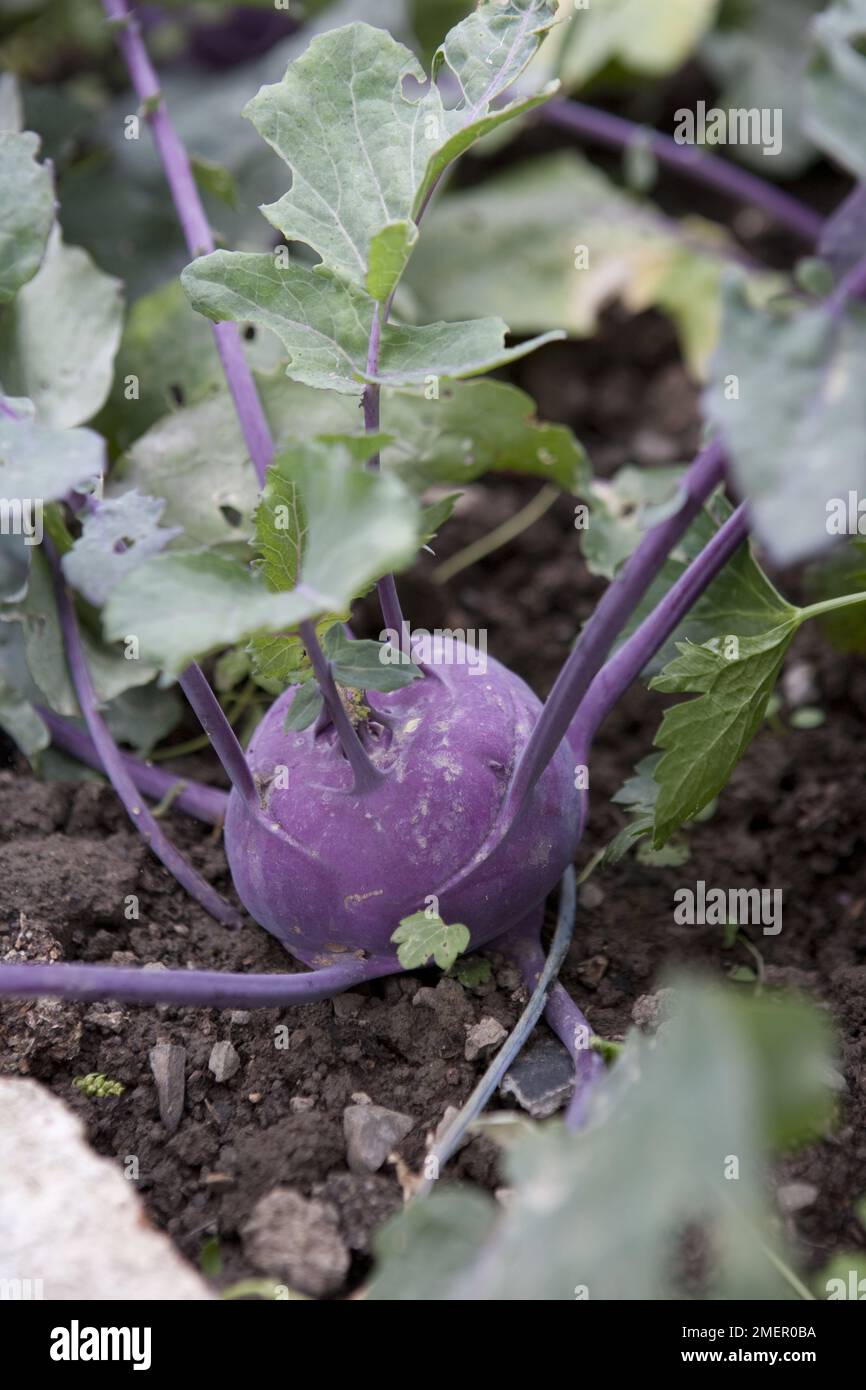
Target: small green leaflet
pixel 740 599
pixel 836 84
pixel 365 665
pixel 305 707
pixel 622 509
pixel 26 210
pixel 325 325
pixel 364 154
pixel 472 972
pixel 475 427
pixel 638 795
pixel 704 739
pixel 280 536
pixel 421 937
pixel 798 416
pixel 95 565
pixel 215 179
pixel 355 665
pixel 359 525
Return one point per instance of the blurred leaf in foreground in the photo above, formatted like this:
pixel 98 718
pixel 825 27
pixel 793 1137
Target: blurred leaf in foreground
pixel 677 1143
pixel 555 241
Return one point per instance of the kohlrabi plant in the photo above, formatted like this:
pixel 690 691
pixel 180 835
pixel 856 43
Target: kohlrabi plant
pixel 405 800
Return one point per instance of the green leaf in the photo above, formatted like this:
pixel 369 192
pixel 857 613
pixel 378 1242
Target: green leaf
pixel 20 721
pixel 704 739
pixel 280 533
pixel 741 599
pixel 142 717
pixel 836 84
pixel 325 325
pixel 59 336
pixel 18 693
pixel 95 565
pixel 390 250
pixel 214 602
pixel 111 672
pixel 638 794
pixel 646 39
pixel 423 937
pixel 305 707
pixel 429 1244
pixel 359 525
pixel 14 564
pixel 26 210
pixel 843 571
pixel 758 54
pixel 168 359
pixel 472 972
pixel 359 665
pixel 786 395
pixel 622 509
pixel 364 154
pixel 434 516
pixel 39 462
pixel 476 427
pixel 214 178
pixel 599 1214
pixel 553 240
pixel 196 461
pixel 11 109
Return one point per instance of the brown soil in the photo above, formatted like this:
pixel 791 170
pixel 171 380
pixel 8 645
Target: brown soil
pixel 790 819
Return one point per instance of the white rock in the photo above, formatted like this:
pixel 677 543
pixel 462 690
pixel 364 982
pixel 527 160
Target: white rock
pixel 796 1196
pixel 69 1217
pixel 296 1240
pixel 224 1060
pixel 483 1038
pixel 371 1133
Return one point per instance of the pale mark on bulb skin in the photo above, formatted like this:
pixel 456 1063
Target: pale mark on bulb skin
pixel 353 899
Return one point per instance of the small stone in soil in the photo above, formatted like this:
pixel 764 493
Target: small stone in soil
pixel 296 1240
pixel 347 1005
pixel 649 1011
pixel 591 895
pixel 168 1064
pixel 541 1080
pixel 483 1037
pixel 298 1104
pixel 591 972
pixel 224 1060
pixel 110 1021
pixel 795 1196
pixel 371 1133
